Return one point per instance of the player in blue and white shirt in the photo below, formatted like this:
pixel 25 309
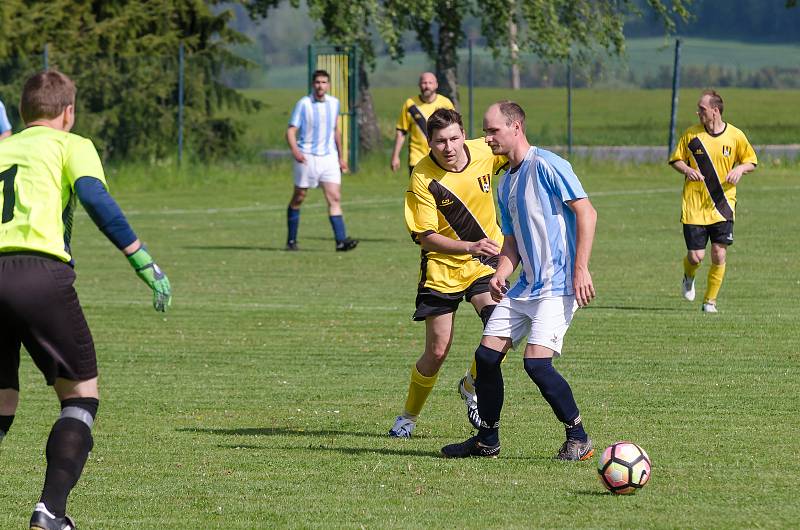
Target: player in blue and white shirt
pixel 548 226
pixel 5 125
pixel 315 138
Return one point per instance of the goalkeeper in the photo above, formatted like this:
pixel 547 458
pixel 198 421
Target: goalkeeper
pixel 43 170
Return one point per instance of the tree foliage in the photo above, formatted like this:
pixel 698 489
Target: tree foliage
pixel 555 30
pixel 123 56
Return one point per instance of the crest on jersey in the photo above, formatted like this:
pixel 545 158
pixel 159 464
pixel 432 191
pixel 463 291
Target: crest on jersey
pixel 726 150
pixel 485 183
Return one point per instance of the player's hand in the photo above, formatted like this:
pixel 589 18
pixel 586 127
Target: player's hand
pixel 301 159
pixel 584 288
pixel 395 164
pixel 153 276
pixel 497 288
pixel 343 165
pixel 693 174
pixel 484 247
pixel 734 175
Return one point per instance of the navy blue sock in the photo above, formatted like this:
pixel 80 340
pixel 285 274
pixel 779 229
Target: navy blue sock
pixel 558 394
pixel 5 424
pixel 293 220
pixel 490 391
pixel 337 223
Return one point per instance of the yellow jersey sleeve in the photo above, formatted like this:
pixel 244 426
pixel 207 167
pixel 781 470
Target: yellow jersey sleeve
pixel 404 120
pixel 82 160
pixel 744 151
pixel 681 151
pixel 420 208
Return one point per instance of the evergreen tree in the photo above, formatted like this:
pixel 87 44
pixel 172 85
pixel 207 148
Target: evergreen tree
pixel 123 56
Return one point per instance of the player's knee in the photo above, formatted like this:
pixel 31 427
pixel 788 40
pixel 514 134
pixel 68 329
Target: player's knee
pixel 487 358
pixel 696 256
pixel 486 312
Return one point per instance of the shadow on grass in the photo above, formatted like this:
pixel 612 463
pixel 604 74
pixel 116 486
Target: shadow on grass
pixel 361 239
pixel 280 431
pixel 632 308
pixel 250 248
pixel 343 450
pixel 594 493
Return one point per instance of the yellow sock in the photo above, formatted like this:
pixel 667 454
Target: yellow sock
pixel 470 376
pixel 689 269
pixel 715 276
pixel 418 391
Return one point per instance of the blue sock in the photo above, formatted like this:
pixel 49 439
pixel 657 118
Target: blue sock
pixel 337 223
pixel 490 392
pixel 558 394
pixel 293 220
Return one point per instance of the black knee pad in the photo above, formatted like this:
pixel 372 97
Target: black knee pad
pixel 486 312
pixel 487 357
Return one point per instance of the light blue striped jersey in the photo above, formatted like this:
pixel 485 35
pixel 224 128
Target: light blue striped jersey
pixel 4 123
pixel 533 209
pixel 316 124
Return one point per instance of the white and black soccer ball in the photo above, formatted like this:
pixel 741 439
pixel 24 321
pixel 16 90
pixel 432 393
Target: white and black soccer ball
pixel 624 468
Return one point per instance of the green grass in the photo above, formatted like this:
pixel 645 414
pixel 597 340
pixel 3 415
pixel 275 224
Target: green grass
pixel 600 117
pixel 262 399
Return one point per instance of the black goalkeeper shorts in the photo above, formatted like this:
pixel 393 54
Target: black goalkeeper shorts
pixel 40 309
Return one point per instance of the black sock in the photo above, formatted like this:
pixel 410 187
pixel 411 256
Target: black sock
pixel 558 394
pixel 489 389
pixel 67 450
pixel 5 425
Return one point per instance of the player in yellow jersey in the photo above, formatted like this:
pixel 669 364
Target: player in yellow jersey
pixel 712 156
pixel 413 121
pixel 43 169
pixel 449 210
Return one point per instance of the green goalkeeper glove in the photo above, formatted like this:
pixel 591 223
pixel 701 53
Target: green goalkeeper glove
pixel 153 276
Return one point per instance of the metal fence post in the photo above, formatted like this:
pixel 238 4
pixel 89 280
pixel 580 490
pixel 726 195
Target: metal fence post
pixel 676 81
pixel 569 107
pixel 180 103
pixel 471 84
pixel 45 57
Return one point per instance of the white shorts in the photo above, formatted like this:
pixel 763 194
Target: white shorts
pixel 544 320
pixel 317 169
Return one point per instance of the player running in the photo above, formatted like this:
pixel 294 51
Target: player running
pixel 713 156
pixel 450 213
pixel 43 169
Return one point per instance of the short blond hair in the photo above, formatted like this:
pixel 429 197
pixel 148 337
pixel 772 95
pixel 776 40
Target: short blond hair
pixel 46 95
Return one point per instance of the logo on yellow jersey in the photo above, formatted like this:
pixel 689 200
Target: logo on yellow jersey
pixel 485 183
pixel 446 202
pixel 726 150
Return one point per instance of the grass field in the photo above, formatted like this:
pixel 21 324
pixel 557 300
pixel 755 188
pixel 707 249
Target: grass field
pixel 600 117
pixel 263 398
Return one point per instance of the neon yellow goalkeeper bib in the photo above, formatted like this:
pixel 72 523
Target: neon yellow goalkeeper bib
pixel 38 170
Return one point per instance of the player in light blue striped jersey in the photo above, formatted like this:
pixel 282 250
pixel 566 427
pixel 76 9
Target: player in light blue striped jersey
pixel 315 138
pixel 548 227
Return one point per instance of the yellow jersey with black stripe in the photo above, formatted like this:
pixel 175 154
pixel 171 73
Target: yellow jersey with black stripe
pixel 712 200
pixel 38 170
pixel 459 205
pixel 413 121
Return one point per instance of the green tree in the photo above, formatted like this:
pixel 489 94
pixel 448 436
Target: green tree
pixel 555 30
pixel 123 56
pixel 344 24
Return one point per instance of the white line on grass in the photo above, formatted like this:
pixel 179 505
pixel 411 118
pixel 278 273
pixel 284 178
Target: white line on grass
pixel 246 305
pixel 371 202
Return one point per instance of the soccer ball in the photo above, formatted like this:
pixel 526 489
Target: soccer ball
pixel 624 467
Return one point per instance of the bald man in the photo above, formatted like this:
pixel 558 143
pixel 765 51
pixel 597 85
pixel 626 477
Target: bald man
pixel 413 120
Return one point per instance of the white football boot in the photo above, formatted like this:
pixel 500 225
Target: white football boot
pixel 687 288
pixel 403 427
pixel 709 307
